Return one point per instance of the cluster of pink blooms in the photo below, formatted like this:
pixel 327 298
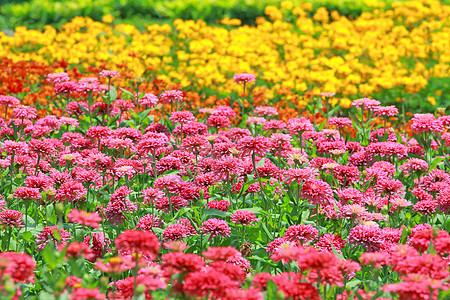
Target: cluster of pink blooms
pixel 179 205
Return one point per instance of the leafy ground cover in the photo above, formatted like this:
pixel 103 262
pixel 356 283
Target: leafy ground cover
pixel 36 14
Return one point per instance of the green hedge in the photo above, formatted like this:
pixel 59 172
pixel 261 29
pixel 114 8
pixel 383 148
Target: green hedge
pixel 37 13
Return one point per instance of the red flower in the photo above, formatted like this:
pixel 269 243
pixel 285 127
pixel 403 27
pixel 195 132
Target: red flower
pixel 138 241
pixel 209 282
pixel 86 294
pixel 182 262
pixel 19 266
pixel 220 253
pixel 126 286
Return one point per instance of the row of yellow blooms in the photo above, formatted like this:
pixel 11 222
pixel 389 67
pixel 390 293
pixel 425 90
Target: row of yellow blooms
pixel 291 48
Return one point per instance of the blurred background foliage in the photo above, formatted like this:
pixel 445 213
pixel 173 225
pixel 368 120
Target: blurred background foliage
pixel 37 13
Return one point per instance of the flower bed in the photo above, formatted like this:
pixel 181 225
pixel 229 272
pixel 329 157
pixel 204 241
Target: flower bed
pixel 128 193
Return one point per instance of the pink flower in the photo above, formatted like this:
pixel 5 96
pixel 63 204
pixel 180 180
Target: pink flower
pixel 243 217
pixel 367 103
pixel 11 218
pixel 42 147
pixel 175 232
pixel 27 193
pixel 370 237
pixel 427 207
pixel 72 191
pixel 216 228
pixel 19 267
pixel 81 293
pixel 196 144
pixel 244 78
pixel 388 111
pixel 266 111
pixel 220 205
pixel 329 241
pixel 58 77
pixel 218 121
pixel 224 111
pixel 23 111
pixel 389 186
pixel 317 191
pixel 9 101
pixel 151 195
pixel 167 181
pixel 227 167
pixel 426 122
pixel 48 235
pixel 416 286
pixel 98 132
pixel 414 165
pixel 171 96
pixel 301 233
pixel 299 125
pixel 379 135
pixel 300 174
pixel 109 74
pixel 259 145
pixel 145 242
pixel 147 222
pixel 340 122
pixel 220 253
pixel 84 218
pixel 274 124
pixel 116 208
pixel 149 100
pixel 66 88
pixel 182 117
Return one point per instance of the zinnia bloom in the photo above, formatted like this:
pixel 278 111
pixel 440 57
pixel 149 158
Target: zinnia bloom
pixel 11 218
pixel 426 122
pixel 244 78
pixel 216 228
pixel 244 217
pixel 171 96
pixel 138 241
pixel 19 266
pixel 48 234
pixel 317 191
pixel 84 218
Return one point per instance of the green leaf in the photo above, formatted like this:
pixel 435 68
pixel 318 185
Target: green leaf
pixel 435 162
pixel 217 213
pixel 49 257
pixel 260 163
pixel 112 94
pixel 254 209
pixel 352 283
pixel 266 231
pixel 144 114
pixel 27 236
pixel 127 92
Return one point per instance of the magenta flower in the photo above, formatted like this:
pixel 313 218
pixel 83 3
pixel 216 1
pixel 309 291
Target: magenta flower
pixel 244 217
pixel 244 78
pixel 216 228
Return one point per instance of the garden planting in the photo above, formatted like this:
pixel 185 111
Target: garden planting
pixel 305 157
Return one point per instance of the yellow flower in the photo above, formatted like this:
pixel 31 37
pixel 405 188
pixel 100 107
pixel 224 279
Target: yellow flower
pixel 432 100
pixel 108 18
pixel 286 5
